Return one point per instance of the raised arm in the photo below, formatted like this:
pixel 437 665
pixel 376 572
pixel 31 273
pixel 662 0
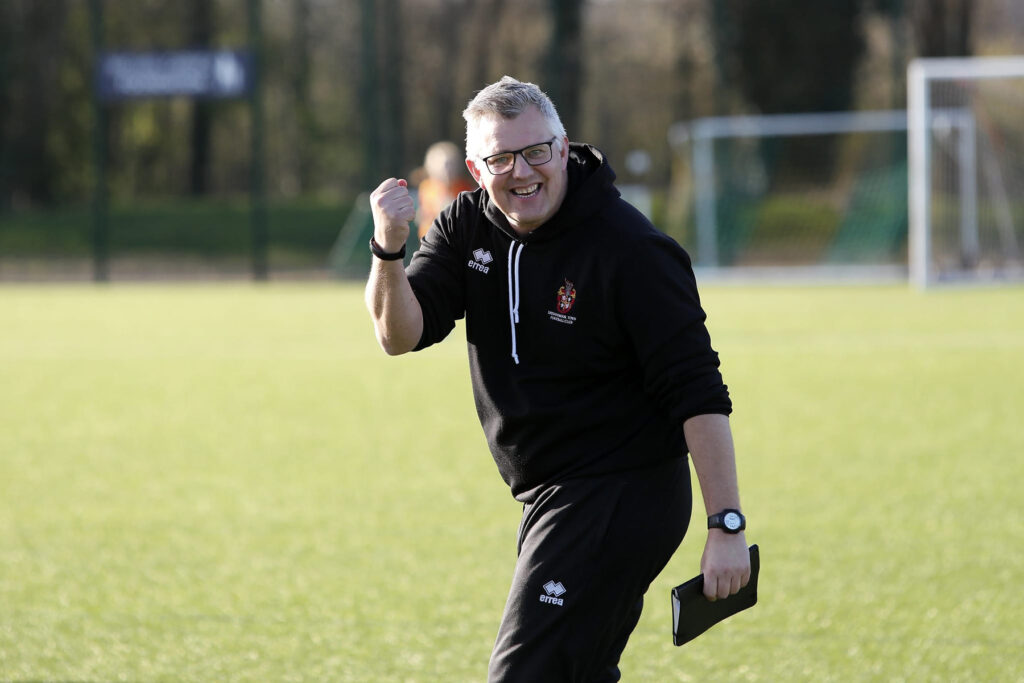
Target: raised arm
pixel 397 317
pixel 726 560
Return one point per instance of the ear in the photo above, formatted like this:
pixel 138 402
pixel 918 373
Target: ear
pixel 474 171
pixel 563 152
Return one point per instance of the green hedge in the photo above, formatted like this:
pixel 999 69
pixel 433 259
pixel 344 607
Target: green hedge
pixel 207 228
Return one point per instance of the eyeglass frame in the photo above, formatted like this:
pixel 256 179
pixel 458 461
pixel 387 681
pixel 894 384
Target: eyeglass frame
pixel 519 153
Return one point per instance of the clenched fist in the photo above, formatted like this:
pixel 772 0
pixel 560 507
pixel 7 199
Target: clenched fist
pixel 393 209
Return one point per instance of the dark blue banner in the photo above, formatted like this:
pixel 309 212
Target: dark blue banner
pixel 190 73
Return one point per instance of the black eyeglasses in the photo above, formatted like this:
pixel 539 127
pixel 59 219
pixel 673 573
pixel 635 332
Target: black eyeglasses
pixel 535 155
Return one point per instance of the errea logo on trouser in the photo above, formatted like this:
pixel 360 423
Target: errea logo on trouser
pixel 554 590
pixel 480 260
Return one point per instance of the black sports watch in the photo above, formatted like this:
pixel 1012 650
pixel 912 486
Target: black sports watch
pixel 730 521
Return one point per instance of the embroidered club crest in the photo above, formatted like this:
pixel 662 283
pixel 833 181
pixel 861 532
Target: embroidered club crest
pixel 566 297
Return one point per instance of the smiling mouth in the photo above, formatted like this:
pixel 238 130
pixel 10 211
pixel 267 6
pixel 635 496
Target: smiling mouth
pixel 526 192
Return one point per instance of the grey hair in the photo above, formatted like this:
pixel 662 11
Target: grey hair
pixel 509 98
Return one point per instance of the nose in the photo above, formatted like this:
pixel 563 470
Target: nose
pixel 520 169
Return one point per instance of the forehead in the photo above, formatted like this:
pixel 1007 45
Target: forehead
pixel 494 133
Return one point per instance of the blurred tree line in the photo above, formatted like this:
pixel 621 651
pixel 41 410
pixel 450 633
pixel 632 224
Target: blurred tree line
pixel 355 90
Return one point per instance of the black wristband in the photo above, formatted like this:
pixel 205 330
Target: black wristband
pixel 384 255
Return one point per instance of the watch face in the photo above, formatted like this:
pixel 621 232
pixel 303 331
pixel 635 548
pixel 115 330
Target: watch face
pixel 731 520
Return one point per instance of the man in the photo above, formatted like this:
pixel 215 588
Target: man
pixel 593 375
pixel 445 179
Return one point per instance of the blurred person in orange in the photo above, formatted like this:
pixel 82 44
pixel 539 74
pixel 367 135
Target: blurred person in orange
pixel 445 179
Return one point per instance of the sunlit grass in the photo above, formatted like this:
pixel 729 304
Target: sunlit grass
pixel 233 483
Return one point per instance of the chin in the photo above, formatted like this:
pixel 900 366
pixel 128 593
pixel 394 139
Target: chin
pixel 525 225
pixel 530 220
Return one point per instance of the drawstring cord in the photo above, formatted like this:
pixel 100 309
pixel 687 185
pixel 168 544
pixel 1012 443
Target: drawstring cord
pixel 513 292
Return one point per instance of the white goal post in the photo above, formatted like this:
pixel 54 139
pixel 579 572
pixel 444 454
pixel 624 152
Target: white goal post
pixel 859 204
pixel 965 171
pixel 702 133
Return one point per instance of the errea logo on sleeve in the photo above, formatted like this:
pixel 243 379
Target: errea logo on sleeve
pixel 481 258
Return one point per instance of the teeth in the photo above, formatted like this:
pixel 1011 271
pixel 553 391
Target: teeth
pixel 524 191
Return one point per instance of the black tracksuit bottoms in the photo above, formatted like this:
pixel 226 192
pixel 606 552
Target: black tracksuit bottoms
pixel 588 550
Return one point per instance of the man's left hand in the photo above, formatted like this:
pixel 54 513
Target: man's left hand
pixel 725 564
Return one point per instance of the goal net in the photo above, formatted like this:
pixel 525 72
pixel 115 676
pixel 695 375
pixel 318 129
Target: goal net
pixel 791 196
pixel 966 169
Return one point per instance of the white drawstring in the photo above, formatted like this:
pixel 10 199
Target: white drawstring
pixel 513 292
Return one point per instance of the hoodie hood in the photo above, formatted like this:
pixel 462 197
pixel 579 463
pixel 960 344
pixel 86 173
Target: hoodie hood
pixel 591 185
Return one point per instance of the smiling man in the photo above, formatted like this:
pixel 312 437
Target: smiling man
pixel 593 376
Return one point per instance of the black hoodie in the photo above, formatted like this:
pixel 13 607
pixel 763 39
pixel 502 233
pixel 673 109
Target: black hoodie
pixel 587 343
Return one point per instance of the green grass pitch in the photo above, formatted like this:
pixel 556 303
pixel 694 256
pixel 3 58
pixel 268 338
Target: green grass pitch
pixel 231 482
